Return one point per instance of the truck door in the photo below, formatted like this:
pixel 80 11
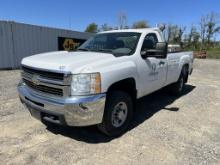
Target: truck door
pixel 154 70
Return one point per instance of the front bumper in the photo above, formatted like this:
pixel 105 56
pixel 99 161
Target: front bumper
pixel 73 111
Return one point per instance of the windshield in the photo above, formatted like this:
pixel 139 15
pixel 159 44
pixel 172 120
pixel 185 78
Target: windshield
pixel 120 43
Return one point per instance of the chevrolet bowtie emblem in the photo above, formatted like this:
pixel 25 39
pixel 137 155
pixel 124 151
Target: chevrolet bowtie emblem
pixel 35 80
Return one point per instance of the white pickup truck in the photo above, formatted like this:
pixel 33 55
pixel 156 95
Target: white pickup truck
pixel 100 82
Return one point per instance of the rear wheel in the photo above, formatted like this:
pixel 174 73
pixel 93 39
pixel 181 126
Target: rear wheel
pixel 118 114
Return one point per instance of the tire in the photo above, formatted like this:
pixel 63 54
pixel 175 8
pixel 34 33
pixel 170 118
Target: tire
pixel 176 89
pixel 119 106
pixel 185 73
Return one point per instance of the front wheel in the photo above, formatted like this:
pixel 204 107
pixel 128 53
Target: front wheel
pixel 177 88
pixel 118 114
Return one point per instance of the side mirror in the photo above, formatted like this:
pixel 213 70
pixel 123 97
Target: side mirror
pixel 143 53
pixel 159 52
pixel 161 46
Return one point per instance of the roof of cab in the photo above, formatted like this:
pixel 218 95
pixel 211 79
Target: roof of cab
pixel 133 30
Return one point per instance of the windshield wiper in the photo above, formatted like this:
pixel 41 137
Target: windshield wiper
pixel 95 50
pixel 83 49
pixel 104 50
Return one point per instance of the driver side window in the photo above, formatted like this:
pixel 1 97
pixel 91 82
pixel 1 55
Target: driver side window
pixel 150 42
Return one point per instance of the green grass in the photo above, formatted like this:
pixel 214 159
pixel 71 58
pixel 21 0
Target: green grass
pixel 214 53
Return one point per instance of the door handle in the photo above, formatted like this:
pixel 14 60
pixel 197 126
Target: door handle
pixel 161 63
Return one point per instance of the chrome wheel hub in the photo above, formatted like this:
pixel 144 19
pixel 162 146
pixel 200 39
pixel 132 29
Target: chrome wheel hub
pixel 119 114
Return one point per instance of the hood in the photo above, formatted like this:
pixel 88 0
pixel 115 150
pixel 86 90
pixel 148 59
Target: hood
pixel 74 62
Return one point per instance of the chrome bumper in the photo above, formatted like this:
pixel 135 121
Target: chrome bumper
pixel 73 111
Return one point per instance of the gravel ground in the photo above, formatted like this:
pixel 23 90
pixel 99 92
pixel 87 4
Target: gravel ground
pixel 166 130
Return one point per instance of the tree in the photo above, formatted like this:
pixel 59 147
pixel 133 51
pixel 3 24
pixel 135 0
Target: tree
pixel 92 28
pixel 140 25
pixel 212 20
pixel 195 40
pixel 208 27
pixel 179 37
pixel 172 34
pixel 105 27
pixel 190 35
pixel 192 38
pixel 167 32
pixel 122 20
pixel 202 28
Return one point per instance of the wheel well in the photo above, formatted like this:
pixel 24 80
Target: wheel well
pixel 127 85
pixel 186 65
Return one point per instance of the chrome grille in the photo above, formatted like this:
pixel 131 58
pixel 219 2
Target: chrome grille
pixel 45 89
pixel 44 74
pixel 47 82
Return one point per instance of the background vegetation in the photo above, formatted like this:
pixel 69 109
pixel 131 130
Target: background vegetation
pixel 196 37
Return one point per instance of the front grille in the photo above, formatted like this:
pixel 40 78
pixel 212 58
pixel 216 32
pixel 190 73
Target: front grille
pixel 44 74
pixel 48 82
pixel 43 88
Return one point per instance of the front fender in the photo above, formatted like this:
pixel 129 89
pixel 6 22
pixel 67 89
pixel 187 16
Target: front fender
pixel 116 72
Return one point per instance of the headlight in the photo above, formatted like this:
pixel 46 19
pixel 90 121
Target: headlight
pixel 83 84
